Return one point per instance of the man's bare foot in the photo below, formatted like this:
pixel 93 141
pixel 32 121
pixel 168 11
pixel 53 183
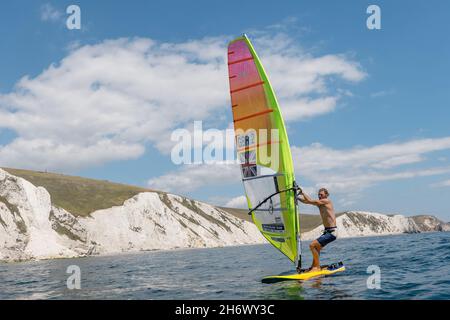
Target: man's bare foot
pixel 309 269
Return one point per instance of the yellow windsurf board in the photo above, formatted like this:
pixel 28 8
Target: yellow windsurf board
pixel 325 271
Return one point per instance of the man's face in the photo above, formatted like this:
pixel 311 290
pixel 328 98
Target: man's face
pixel 322 195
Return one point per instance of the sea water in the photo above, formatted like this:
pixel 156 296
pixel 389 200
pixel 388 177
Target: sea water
pixel 411 266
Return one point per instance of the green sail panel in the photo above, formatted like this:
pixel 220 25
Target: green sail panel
pixel 263 149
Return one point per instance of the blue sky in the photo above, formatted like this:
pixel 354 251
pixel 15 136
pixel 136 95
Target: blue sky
pixel 370 121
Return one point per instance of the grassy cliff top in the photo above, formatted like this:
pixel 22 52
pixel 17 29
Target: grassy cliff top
pixel 80 196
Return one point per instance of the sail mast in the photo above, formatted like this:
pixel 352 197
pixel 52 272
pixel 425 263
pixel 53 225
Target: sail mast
pixel 298 261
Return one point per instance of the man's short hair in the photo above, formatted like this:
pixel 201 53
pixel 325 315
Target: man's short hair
pixel 324 190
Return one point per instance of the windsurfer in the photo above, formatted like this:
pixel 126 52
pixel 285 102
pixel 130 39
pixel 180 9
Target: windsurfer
pixel 329 221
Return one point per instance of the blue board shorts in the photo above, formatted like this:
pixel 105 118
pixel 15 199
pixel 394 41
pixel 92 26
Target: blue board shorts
pixel 328 235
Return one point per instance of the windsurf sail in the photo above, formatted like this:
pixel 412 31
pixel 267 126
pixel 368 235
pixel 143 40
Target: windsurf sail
pixel 263 150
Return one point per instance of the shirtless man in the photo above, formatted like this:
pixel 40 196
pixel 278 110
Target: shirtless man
pixel 329 221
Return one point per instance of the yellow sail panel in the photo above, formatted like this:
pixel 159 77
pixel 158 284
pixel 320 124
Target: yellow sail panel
pixel 263 149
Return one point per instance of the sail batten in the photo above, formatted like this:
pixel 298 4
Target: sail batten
pixel 263 149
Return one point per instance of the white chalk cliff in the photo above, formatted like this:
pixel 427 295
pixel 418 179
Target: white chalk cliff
pixel 32 228
pixel 361 223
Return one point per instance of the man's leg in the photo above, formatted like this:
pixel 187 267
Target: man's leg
pixel 315 250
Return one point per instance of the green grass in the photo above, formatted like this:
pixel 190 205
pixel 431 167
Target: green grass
pixel 80 196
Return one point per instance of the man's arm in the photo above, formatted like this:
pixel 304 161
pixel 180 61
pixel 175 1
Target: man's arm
pixel 307 200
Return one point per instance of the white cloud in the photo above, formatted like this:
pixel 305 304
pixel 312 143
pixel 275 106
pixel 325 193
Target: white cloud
pixel 361 180
pixel 46 153
pixel 192 177
pixel 350 171
pixel 384 156
pixel 445 183
pixel 297 76
pixel 125 92
pixel 304 108
pixel 133 92
pixel 239 202
pixel 50 13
